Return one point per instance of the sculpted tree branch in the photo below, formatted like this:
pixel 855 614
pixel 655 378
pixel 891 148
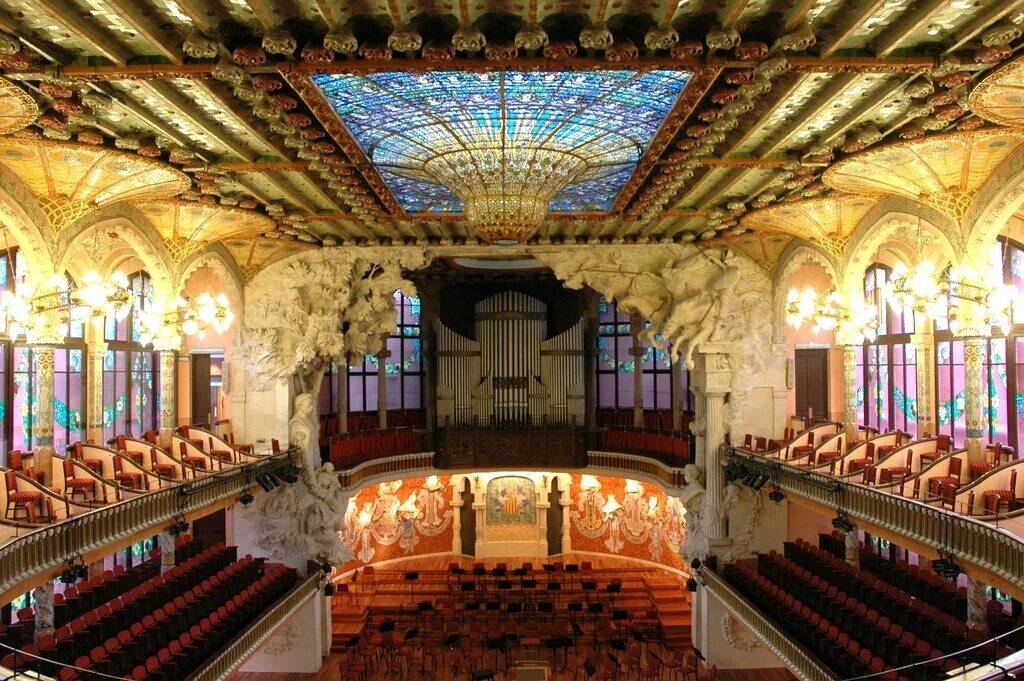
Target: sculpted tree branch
pixel 307 312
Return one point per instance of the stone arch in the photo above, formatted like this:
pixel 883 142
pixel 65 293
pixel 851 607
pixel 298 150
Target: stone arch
pixel 797 254
pixel 26 223
pixel 137 237
pixel 216 257
pixel 894 221
pixel 994 204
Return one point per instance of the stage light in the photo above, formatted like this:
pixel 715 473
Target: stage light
pixel 326 567
pixel 695 564
pixel 329 589
pixel 761 480
pixel 842 522
pixel 246 498
pixel 776 495
pixel 691 584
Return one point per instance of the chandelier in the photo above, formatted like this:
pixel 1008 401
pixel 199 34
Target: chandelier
pixel 30 313
pixel 947 295
pixel 188 316
pixel 827 312
pixel 505 190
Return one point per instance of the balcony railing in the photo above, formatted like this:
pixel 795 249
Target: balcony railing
pixel 229 658
pixel 990 548
pixel 25 557
pixel 799 660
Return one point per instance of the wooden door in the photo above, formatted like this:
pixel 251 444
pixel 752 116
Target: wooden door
pixel 812 382
pixel 201 389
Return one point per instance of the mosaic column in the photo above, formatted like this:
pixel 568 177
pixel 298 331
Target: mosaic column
pixel 974 353
pixel 382 388
pixel 712 378
pixel 852 554
pixel 94 390
pixel 850 392
pixel 977 596
pixel 166 542
pixel 924 356
pixel 42 424
pixel 168 389
pixel 43 596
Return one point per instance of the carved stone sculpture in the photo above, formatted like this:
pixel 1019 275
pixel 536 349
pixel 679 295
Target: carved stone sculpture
pixel 305 313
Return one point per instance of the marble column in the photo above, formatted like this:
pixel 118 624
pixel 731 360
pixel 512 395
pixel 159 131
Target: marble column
pixel 977 596
pixel 542 522
pixel 850 392
pixel 924 356
pixel 852 554
pixel 166 543
pixel 382 388
pixel 974 353
pixel 457 503
pixel 94 391
pixel 168 390
pixel 565 501
pixel 43 596
pixel 637 352
pixel 711 380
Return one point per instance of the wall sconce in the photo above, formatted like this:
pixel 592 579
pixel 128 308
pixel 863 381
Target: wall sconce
pixel 632 487
pixel 432 484
pixel 408 510
pixel 588 483
pixel 611 507
pixel 365 518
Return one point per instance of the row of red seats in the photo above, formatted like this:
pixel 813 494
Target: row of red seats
pixel 193 646
pixel 89 630
pixel 91 643
pixel 834 648
pixel 938 628
pixel 870 628
pixel 922 584
pixel 351 450
pixel 671 445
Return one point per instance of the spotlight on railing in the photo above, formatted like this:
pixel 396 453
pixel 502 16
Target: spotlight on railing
pixel 842 522
pixel 776 495
pixel 178 528
pixel 246 498
pixel 945 566
pixel 266 482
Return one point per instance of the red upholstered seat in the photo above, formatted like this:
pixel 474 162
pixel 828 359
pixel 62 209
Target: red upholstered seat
pixel 73 484
pixel 24 497
pixel 979 468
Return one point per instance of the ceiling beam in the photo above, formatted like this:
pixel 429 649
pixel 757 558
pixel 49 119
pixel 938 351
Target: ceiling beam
pixel 129 10
pixel 857 16
pixel 992 13
pixel 263 166
pixel 732 12
pixel 910 21
pixel 198 118
pixel 796 13
pixel 102 41
pixel 44 48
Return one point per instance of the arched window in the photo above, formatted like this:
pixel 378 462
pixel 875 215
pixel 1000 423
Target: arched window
pixel 403 369
pixel 130 372
pixel 615 366
pixel 1002 365
pixel 887 368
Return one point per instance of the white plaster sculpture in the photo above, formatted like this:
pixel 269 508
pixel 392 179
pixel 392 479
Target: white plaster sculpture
pixel 306 312
pixel 698 517
pixel 690 296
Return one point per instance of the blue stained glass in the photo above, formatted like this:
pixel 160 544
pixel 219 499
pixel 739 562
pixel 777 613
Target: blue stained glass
pixel 403 120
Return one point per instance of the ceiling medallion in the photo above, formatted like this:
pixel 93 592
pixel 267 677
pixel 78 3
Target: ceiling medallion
pixel 999 97
pixel 504 147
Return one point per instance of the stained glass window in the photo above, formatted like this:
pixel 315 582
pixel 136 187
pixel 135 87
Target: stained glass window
pixel 616 366
pixel 887 369
pixel 24 401
pixel 131 380
pixel 68 397
pixel 409 123
pixel 950 382
pixel 403 369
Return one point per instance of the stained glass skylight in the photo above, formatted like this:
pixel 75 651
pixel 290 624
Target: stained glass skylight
pixel 552 140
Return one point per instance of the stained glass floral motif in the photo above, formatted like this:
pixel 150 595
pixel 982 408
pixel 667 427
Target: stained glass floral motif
pixel 405 122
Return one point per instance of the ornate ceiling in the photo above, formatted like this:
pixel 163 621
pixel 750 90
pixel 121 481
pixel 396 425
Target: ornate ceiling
pixel 223 95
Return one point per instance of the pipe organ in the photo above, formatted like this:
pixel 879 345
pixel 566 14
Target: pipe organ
pixel 511 372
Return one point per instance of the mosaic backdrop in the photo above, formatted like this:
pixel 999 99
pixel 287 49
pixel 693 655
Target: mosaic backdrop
pixel 511 500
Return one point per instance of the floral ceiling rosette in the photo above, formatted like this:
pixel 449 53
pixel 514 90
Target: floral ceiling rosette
pixel 17 108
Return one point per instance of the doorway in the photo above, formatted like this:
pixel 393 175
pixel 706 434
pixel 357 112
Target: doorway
pixel 207 384
pixel 812 383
